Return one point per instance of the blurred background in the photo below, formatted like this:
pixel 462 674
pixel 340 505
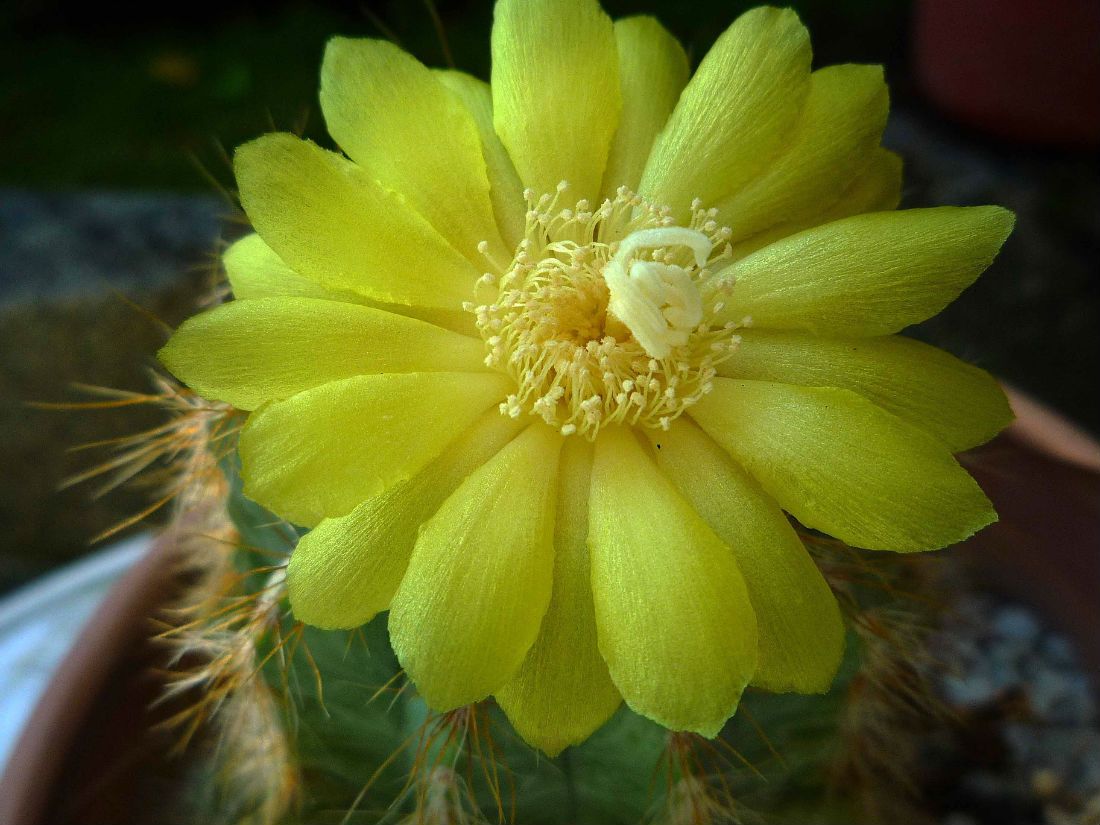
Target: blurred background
pixel 117 121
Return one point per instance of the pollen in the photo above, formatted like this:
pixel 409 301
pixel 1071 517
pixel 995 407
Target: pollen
pixel 604 315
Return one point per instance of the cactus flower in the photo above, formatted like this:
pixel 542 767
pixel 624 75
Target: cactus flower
pixel 545 363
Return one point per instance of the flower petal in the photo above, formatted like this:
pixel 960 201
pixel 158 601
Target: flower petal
pixel 562 692
pixel 254 271
pixel 322 452
pixel 673 616
pixel 958 403
pixel 837 134
pixel 555 89
pixel 345 570
pixel 797 616
pixel 652 72
pixel 877 189
pixel 871 274
pixel 505 189
pixel 393 117
pixel 735 114
pixel 249 352
pixel 480 576
pixel 839 464
pixel 331 222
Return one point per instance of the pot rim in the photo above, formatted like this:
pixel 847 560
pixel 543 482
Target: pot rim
pixel 119 621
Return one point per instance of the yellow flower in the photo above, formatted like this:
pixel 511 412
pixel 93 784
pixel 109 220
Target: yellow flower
pixel 566 478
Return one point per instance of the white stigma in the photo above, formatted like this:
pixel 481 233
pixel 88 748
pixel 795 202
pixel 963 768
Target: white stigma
pixel 657 300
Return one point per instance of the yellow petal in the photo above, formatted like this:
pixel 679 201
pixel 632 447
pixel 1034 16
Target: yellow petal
pixel 562 692
pixel 735 114
pixel 878 189
pixel 959 404
pixel 345 570
pixel 480 576
pixel 673 616
pixel 394 118
pixel 652 71
pixel 871 274
pixel 255 271
pixel 835 138
pixel 331 222
pixel 505 189
pixel 249 352
pixel 555 91
pixel 797 617
pixel 322 452
pixel 839 464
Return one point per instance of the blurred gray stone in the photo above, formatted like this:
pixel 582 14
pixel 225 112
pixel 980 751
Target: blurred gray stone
pixel 56 245
pixel 69 263
pixel 1016 624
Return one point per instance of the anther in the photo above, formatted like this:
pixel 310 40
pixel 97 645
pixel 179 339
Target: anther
pixel 552 325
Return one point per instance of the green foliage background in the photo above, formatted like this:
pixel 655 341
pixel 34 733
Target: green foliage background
pixel 116 96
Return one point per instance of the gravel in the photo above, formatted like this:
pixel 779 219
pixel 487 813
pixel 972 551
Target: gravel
pixel 1022 681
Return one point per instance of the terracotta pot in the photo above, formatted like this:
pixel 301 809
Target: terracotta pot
pixel 74 762
pixel 94 723
pixel 1021 69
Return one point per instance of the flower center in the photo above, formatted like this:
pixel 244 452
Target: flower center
pixel 604 316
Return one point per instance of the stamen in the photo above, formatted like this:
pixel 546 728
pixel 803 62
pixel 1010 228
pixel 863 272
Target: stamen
pixel 603 316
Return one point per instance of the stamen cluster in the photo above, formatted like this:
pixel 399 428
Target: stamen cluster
pixel 546 319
